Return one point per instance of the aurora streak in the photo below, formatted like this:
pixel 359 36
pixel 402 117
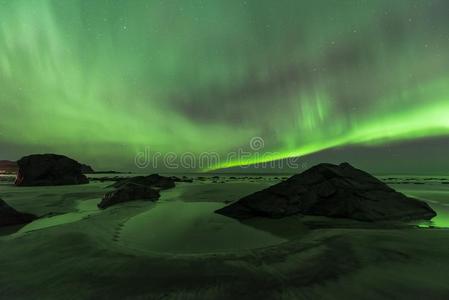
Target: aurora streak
pixel 102 80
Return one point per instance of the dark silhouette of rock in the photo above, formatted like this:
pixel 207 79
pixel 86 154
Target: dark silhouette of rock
pixel 129 192
pixel 86 169
pixel 10 216
pixel 109 172
pixel 183 179
pixel 49 169
pixel 102 179
pixel 154 181
pixel 8 167
pixel 339 191
pixel 186 179
pixel 138 188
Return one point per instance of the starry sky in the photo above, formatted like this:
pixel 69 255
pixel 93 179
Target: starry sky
pixel 102 80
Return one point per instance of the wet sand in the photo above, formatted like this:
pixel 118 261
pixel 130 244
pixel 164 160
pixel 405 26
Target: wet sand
pixel 178 249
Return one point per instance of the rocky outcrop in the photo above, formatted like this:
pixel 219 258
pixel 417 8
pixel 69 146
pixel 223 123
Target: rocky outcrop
pixel 154 181
pixel 182 179
pixel 339 191
pixel 129 192
pixel 49 169
pixel 137 188
pixel 10 216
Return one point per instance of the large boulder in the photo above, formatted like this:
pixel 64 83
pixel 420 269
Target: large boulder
pixel 129 192
pixel 49 169
pixel 339 191
pixel 154 181
pixel 10 216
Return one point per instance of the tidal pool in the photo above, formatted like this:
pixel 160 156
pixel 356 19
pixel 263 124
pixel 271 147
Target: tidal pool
pixel 83 209
pixel 436 195
pixel 191 227
pixel 439 201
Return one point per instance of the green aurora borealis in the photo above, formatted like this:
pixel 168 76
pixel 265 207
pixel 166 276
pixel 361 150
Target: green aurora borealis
pixel 102 80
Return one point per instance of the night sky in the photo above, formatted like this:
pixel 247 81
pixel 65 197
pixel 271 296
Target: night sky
pixel 103 80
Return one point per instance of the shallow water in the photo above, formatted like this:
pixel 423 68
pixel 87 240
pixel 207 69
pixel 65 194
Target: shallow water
pixel 55 205
pixel 175 226
pixel 83 209
pixel 436 195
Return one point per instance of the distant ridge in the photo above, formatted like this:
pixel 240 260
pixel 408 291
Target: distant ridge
pixel 8 167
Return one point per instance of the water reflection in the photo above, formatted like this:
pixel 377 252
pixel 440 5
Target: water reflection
pixel 191 227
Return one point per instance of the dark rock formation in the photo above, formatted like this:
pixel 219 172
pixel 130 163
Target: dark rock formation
pixel 108 172
pixel 129 192
pixel 10 216
pixel 86 169
pixel 154 181
pixel 183 179
pixel 339 191
pixel 138 188
pixel 103 179
pixel 8 167
pixel 49 169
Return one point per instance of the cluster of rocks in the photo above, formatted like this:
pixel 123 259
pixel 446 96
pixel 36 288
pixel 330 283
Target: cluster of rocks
pixel 415 180
pixel 129 192
pixel 121 178
pixel 182 179
pixel 225 179
pixel 137 188
pixel 339 191
pixel 106 178
pixel 9 216
pixel 49 169
pixel 154 180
